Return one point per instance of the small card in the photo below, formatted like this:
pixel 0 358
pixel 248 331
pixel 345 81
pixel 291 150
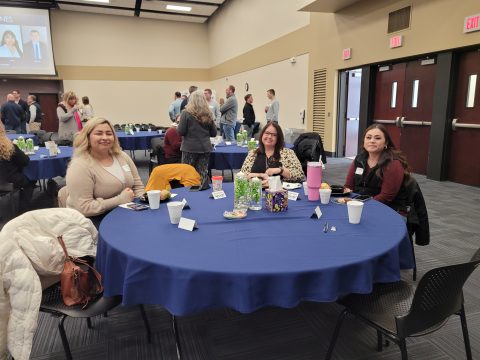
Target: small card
pixel 187 224
pixel 126 168
pixel 228 143
pixel 359 171
pixel 292 195
pixel 131 132
pixel 220 194
pixel 317 214
pixel 149 130
pixel 185 204
pixel 160 132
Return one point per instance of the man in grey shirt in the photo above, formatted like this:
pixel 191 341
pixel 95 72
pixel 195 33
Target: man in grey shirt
pixel 214 107
pixel 229 114
pixel 174 108
pixel 273 108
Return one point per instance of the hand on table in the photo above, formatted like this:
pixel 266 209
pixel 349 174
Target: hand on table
pixel 273 171
pixel 128 194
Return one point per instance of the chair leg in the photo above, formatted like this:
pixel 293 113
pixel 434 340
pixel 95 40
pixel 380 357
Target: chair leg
pixel 466 339
pixel 147 324
pixel 403 349
pixel 335 334
pixel 177 336
pixel 379 341
pixel 63 336
pixel 414 275
pixel 89 323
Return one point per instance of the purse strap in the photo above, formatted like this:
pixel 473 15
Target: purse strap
pixel 62 244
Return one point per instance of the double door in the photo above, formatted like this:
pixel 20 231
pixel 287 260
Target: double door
pixel 403 103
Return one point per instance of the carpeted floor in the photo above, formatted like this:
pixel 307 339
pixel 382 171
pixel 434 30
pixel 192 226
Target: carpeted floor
pixel 302 333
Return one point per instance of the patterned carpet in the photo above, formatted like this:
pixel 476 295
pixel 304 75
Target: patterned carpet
pixel 302 333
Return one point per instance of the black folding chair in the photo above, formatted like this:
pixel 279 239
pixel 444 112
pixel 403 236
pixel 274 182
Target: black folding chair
pixel 9 201
pixel 397 311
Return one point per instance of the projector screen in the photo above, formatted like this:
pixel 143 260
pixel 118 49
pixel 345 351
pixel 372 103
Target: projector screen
pixel 25 42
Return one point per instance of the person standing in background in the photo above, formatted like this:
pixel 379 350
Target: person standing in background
pixel 248 115
pixel 214 107
pixel 69 120
pixel 87 111
pixel 174 108
pixel 26 114
pixel 172 143
pixel 272 108
pixel 12 114
pixel 191 89
pixel 35 113
pixel 229 114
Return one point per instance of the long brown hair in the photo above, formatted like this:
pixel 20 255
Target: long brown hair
pixel 280 140
pixel 388 154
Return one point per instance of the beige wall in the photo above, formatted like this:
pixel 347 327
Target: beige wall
pixel 290 84
pixel 240 26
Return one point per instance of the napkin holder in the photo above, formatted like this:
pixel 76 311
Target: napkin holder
pixel 276 200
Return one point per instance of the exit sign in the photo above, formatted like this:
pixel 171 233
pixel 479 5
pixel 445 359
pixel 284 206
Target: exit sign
pixel 471 23
pixel 396 41
pixel 347 53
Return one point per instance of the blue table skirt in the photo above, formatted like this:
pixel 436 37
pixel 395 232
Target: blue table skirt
pixel 42 166
pixel 229 157
pixel 138 141
pixel 266 259
pixel 25 136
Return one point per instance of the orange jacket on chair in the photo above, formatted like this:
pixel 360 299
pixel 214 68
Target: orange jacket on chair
pixel 163 174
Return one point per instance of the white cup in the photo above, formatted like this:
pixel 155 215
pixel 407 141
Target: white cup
pixel 153 199
pixel 354 211
pixel 305 188
pixel 175 211
pixel 325 195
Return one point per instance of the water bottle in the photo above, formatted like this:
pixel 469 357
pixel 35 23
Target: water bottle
pixel 255 189
pixel 241 192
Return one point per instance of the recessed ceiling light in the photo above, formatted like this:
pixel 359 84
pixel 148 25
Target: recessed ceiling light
pixel 99 1
pixel 179 8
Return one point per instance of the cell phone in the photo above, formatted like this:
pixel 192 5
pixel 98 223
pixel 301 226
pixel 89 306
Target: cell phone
pixel 137 207
pixel 362 197
pixel 194 188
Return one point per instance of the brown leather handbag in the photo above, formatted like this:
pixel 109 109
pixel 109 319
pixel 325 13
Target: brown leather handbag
pixel 79 282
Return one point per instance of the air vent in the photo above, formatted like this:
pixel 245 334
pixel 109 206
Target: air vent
pixel 399 19
pixel 319 100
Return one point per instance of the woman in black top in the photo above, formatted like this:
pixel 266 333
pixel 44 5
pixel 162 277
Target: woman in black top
pixel 12 162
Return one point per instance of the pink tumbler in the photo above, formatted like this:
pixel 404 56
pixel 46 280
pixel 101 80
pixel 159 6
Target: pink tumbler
pixel 314 180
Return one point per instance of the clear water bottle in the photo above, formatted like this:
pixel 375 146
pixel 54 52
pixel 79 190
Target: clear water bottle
pixel 255 189
pixel 29 146
pixel 241 192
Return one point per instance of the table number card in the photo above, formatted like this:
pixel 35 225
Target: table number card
pixel 317 214
pixel 187 224
pixel 185 204
pixel 228 143
pixel 292 195
pixel 219 194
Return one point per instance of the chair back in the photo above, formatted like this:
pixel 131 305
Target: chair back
pixel 438 296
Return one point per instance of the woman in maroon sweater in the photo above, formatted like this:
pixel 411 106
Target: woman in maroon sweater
pixel 380 170
pixel 172 143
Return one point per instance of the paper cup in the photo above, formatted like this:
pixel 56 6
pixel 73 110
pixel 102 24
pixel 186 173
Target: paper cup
pixel 305 188
pixel 175 211
pixel 325 195
pixel 217 183
pixel 354 211
pixel 153 199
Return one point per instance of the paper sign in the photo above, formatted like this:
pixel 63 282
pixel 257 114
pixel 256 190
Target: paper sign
pixel 317 213
pixel 228 143
pixel 220 194
pixel 187 224
pixel 131 132
pixel 160 132
pixel 292 195
pixel 185 204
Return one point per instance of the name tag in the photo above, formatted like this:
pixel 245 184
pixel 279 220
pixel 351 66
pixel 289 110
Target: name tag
pixel 359 171
pixel 219 194
pixel 126 168
pixel 292 195
pixel 187 224
pixel 317 213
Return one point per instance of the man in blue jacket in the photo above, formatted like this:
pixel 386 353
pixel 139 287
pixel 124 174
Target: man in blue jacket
pixel 12 114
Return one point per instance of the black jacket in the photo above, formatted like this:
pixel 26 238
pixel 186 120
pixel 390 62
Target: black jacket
pixel 248 114
pixel 11 170
pixel 417 218
pixel 309 147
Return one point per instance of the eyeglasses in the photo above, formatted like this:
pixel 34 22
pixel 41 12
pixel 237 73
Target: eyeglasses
pixel 270 134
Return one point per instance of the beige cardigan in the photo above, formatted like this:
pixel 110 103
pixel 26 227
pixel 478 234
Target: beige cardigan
pixel 92 190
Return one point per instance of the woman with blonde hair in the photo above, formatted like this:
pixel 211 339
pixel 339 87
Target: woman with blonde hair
pixel 100 176
pixel 12 162
pixel 197 127
pixel 69 118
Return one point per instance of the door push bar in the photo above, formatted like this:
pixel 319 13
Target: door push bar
pixel 401 122
pixel 456 125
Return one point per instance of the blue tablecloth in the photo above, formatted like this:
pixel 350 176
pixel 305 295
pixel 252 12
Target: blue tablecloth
pixel 230 157
pixel 266 259
pixel 42 166
pixel 25 136
pixel 138 141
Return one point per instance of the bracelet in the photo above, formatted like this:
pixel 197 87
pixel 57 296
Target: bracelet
pixel 281 171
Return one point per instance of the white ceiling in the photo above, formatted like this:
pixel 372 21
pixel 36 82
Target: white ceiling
pixel 152 9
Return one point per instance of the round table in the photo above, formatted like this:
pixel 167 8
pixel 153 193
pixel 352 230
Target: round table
pixel 138 141
pixel 43 166
pixel 266 259
pixel 230 157
pixel 25 136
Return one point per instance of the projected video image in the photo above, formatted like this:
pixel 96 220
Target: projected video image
pixel 11 43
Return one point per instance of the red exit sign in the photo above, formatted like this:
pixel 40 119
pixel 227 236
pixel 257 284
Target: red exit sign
pixel 471 23
pixel 396 41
